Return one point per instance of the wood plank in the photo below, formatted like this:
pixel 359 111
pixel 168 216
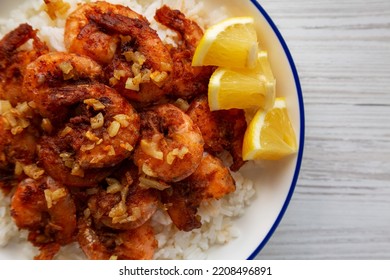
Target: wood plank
pixel 341 206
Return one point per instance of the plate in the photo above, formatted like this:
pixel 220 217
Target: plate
pixel 274 181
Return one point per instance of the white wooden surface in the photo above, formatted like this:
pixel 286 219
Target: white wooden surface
pixel 341 206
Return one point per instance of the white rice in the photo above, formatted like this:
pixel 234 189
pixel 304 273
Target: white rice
pixel 7 226
pixel 217 216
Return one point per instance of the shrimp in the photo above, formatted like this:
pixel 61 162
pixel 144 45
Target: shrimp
pixel 55 70
pixel 107 126
pixel 48 251
pixel 83 36
pixel 124 204
pixel 187 81
pixel 171 144
pixel 20 148
pixel 103 133
pixel 9 151
pixel 45 208
pixel 221 130
pixel 5 141
pixel 211 180
pixel 8 181
pixel 13 61
pixel 106 129
pixel 17 144
pixel 138 64
pixel 104 244
pixel 59 165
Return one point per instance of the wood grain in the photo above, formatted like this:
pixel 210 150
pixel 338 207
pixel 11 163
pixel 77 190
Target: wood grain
pixel 341 206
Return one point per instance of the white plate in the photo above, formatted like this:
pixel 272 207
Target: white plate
pixel 274 181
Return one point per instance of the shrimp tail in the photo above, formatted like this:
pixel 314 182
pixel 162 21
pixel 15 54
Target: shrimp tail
pixel 15 39
pixel 176 20
pixel 118 23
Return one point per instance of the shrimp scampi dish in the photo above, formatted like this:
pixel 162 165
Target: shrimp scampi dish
pixel 101 138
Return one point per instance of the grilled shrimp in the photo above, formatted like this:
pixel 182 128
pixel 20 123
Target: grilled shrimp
pixel 17 148
pixel 104 244
pixel 171 144
pixel 106 129
pixel 85 37
pixel 124 204
pixel 13 61
pixel 103 132
pixel 138 63
pixel 8 181
pixel 211 180
pixel 187 81
pixel 45 208
pixel 48 251
pixel 221 130
pixel 59 164
pixel 18 138
pixel 55 70
pixel 5 142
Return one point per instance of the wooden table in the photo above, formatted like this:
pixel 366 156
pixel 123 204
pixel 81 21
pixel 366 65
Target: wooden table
pixel 341 205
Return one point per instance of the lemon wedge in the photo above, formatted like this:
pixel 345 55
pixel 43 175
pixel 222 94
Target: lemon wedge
pixel 262 69
pixel 243 88
pixel 270 135
pixel 231 43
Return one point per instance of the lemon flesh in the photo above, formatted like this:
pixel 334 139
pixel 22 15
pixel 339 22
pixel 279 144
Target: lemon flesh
pixel 230 43
pixel 229 89
pixel 243 88
pixel 270 135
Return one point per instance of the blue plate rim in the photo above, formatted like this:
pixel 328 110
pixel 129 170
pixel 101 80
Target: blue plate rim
pixel 301 135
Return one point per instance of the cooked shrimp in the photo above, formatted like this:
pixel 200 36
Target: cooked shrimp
pixel 187 81
pixel 103 132
pixel 85 37
pixel 211 180
pixel 214 178
pixel 104 244
pixel 137 244
pixel 8 180
pixel 172 145
pixel 16 147
pixel 138 63
pixel 45 208
pixel 5 141
pixel 21 148
pixel 59 164
pixel 47 251
pixel 221 130
pixel 106 128
pixel 13 61
pixel 141 71
pixel 54 70
pixel 124 204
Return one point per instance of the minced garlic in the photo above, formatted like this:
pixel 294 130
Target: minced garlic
pixel 91 136
pixel 96 104
pixel 97 121
pixel 122 119
pixel 113 129
pixel 159 77
pixel 151 147
pixel 33 171
pixel 180 153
